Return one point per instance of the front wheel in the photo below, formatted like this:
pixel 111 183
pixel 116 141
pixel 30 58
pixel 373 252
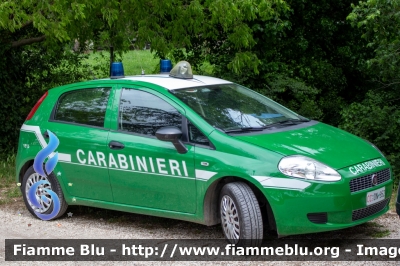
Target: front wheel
pixel 241 218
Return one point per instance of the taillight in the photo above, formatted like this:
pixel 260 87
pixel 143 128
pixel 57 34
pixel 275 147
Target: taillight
pixel 32 112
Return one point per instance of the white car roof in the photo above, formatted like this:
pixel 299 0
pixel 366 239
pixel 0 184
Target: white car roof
pixel 171 83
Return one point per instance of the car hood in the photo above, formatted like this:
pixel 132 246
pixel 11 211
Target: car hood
pixel 329 145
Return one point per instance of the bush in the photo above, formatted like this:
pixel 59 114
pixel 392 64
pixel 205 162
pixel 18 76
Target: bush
pixel 377 120
pixel 25 74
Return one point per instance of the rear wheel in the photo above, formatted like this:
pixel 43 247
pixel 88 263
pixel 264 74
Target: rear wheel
pixel 241 217
pixel 43 197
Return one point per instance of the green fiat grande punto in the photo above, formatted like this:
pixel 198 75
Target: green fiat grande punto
pixel 200 149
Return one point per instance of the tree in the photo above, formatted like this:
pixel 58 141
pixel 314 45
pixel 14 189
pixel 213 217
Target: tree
pixel 166 24
pixel 26 72
pixel 377 116
pixel 310 58
pixel 37 37
pixel 380 22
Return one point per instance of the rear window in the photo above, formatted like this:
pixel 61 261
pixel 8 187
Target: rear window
pixel 85 107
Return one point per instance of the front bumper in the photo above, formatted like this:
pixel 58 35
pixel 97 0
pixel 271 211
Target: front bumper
pixel 324 206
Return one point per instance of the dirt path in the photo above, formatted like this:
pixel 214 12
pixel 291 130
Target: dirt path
pixel 91 223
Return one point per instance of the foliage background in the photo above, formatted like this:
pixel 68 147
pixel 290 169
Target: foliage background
pixel 376 116
pixel 333 61
pixel 25 74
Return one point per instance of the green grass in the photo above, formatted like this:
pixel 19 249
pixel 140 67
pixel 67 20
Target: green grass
pixel 372 224
pixel 380 234
pixel 393 199
pixel 8 187
pixel 133 62
pixel 375 230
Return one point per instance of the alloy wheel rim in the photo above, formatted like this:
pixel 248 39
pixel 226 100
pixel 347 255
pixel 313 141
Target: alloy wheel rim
pixel 41 191
pixel 230 218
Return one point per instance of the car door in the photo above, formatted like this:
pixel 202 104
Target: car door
pixel 78 121
pixel 145 171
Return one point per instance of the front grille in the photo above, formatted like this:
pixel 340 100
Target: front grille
pixel 318 217
pixel 364 182
pixel 370 210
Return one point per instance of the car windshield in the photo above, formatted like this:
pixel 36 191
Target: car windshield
pixel 232 107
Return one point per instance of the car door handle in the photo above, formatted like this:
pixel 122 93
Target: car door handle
pixel 115 145
pixel 46 134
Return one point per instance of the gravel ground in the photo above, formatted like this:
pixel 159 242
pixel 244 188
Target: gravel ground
pixel 91 223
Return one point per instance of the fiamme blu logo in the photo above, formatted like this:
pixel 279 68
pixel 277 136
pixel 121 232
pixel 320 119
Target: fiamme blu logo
pixel 38 189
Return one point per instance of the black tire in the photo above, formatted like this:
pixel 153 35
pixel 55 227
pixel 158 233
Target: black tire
pixel 55 186
pixel 244 226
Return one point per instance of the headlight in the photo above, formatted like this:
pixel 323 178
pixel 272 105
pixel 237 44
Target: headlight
pixel 307 168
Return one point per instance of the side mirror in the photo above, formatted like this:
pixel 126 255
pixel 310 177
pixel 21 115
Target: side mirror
pixel 172 134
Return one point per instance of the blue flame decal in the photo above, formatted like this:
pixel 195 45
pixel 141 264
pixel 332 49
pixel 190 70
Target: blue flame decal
pixel 33 199
pixel 49 166
pixel 44 153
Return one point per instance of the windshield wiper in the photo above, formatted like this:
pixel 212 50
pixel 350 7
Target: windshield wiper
pixel 245 129
pixel 289 122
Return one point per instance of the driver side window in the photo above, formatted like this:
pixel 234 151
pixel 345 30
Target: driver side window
pixel 143 113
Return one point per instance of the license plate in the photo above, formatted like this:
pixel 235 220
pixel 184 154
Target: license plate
pixel 375 196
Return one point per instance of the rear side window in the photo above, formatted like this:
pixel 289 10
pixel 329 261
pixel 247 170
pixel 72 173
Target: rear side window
pixel 144 113
pixel 86 107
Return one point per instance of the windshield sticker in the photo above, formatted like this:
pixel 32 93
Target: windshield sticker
pixel 364 167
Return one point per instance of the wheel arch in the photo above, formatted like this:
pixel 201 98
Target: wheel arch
pixel 211 202
pixel 23 170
